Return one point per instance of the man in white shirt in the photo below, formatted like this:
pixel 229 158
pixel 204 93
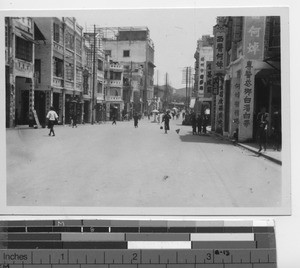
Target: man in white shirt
pixel 52 116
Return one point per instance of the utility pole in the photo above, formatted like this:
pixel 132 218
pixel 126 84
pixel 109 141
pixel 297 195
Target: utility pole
pixel 186 88
pixel 94 75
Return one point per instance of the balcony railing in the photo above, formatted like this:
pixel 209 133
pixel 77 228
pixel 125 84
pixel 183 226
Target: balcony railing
pixel 114 83
pixel 114 98
pixel 57 47
pixel 23 66
pixel 69 85
pixel 57 82
pixel 116 66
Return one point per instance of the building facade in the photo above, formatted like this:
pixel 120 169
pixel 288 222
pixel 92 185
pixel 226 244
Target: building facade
pixel 60 65
pixel 247 76
pixel 19 71
pixel 203 74
pixel 133 48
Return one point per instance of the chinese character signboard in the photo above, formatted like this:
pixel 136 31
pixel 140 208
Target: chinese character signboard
pixel 219 49
pixel 209 77
pixel 220 107
pixel 246 100
pixel 215 82
pixel 235 103
pixel 254 37
pixel 201 77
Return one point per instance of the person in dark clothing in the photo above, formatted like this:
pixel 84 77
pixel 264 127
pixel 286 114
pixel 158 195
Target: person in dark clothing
pixel 199 124
pixel 194 123
pixel 276 126
pixel 262 125
pixel 74 120
pixel 114 120
pixel 204 123
pixel 136 120
pixel 166 118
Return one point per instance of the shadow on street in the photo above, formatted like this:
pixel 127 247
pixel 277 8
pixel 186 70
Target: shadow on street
pixel 203 139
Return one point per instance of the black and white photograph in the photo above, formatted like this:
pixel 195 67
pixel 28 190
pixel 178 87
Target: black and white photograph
pixel 156 111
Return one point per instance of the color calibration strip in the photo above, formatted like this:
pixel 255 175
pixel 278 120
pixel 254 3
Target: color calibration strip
pixel 137 244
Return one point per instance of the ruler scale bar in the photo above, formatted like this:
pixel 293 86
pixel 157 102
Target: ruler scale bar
pixel 139 244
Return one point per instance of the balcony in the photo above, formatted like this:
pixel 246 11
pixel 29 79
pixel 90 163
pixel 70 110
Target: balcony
pixel 58 48
pixel 116 67
pixel 114 98
pixel 113 83
pixel 57 82
pixel 69 54
pixel 69 85
pixel 23 66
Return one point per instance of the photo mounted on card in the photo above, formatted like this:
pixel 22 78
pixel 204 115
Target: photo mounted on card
pixel 146 112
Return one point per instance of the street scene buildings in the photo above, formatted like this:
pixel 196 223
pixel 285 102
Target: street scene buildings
pixel 98 78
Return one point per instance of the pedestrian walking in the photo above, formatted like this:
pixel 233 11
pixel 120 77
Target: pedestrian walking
pixel 194 123
pixel 74 120
pixel 166 119
pixel 262 124
pixel 204 123
pixel 199 124
pixel 114 120
pixel 52 118
pixel 136 120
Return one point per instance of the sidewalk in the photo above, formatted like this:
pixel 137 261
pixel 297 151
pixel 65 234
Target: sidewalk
pixel 270 153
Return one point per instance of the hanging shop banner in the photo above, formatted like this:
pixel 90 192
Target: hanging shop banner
pixel 235 103
pixel 201 77
pixel 254 37
pixel 209 77
pixel 220 106
pixel 246 100
pixel 219 49
pixel 215 85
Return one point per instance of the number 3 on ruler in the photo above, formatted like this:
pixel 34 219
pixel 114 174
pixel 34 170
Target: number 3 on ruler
pixel 208 256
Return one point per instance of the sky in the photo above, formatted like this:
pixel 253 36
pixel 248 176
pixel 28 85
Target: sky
pixel 174 32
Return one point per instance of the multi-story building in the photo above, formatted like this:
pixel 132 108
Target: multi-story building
pixel 134 49
pixel 246 73
pixel 60 66
pixel 203 73
pixel 20 70
pixel 113 85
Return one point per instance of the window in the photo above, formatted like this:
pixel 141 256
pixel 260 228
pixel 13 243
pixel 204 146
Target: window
pixel 70 71
pixel 78 46
pixel 69 41
pixel 99 87
pixel 126 53
pixel 78 75
pixel 100 65
pixel 37 70
pixel 58 67
pixel 56 32
pixel 107 52
pixel 23 49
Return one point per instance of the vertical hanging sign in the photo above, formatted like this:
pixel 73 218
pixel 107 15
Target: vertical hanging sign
pixel 246 100
pixel 219 49
pixel 209 77
pixel 254 32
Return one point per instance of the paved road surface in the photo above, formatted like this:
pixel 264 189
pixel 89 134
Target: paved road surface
pixel 105 165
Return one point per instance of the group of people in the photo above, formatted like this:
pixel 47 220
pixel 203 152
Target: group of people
pixel 199 123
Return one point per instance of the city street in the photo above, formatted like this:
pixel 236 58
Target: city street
pixel 106 165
